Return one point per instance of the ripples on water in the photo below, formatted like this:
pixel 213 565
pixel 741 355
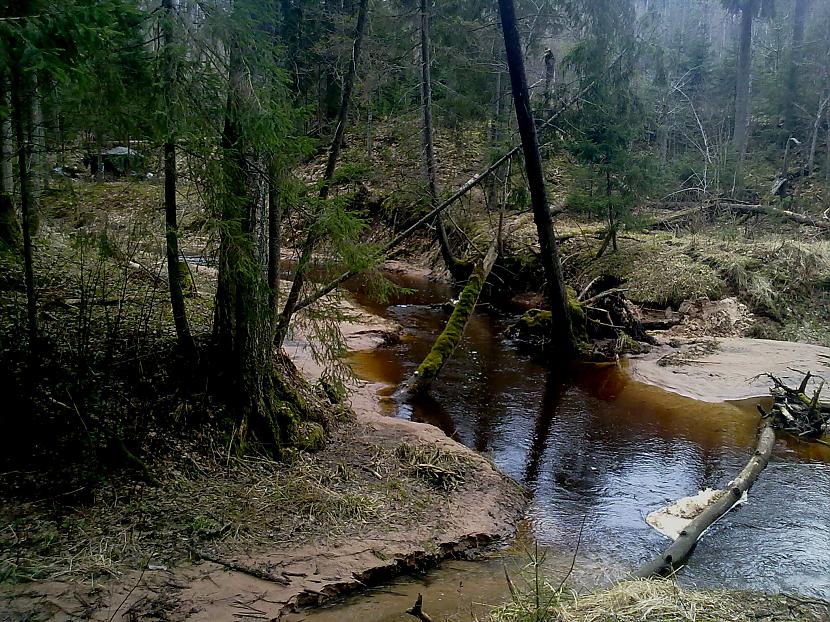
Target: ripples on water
pixel 594 446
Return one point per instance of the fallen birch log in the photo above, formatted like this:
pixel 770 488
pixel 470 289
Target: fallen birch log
pixel 450 337
pixel 676 554
pixel 775 212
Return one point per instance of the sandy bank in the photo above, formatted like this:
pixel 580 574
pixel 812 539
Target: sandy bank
pixel 383 465
pixel 717 370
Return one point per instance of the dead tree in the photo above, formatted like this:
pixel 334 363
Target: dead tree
pixel 676 554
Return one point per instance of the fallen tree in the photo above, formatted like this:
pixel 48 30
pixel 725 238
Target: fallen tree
pixel 676 554
pixel 781 214
pixel 450 337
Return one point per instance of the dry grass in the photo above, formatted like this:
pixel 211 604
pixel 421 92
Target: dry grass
pixel 657 600
pixel 350 488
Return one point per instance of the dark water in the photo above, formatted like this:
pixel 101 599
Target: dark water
pixel 600 451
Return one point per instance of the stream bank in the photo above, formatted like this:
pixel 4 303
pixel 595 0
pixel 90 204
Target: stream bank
pixel 232 538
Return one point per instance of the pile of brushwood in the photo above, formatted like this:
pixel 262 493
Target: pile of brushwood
pixel 797 413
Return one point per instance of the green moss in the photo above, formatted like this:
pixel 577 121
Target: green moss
pixel 449 338
pixel 310 436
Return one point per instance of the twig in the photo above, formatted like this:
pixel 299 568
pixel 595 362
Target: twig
pixel 130 593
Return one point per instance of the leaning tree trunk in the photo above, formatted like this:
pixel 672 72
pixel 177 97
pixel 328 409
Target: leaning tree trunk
pixel 21 118
pixel 427 146
pixel 331 164
pixel 187 345
pixel 450 337
pixel 555 287
pixel 676 554
pixel 253 389
pixel 742 77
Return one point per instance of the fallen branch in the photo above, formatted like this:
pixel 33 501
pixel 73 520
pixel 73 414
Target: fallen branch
pixel 795 412
pixel 417 611
pixel 236 567
pixel 675 555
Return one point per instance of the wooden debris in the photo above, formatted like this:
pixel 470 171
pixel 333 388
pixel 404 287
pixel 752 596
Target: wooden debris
pixel 795 412
pixel 676 554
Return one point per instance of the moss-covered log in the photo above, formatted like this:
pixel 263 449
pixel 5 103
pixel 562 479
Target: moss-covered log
pixel 450 337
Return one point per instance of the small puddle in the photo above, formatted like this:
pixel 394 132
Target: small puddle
pixel 600 450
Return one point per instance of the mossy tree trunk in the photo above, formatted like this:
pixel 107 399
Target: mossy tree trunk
pixel 253 389
pixel 331 164
pixel 450 337
pixel 187 346
pixel 562 336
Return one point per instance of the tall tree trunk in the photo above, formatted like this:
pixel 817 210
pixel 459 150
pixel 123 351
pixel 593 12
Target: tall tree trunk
pixel 274 241
pixel 254 390
pixel 6 176
pixel 21 94
pixel 39 167
pixel 791 79
pixel 187 345
pixel 426 142
pixel 555 287
pixel 331 165
pixel 742 80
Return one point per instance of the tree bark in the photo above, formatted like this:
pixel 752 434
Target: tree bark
pixel 331 164
pixel 677 553
pixel 782 214
pixel 742 82
pixel 450 337
pixel 427 146
pixel 550 77
pixel 811 160
pixel 6 176
pixel 555 287
pixel 21 118
pixel 187 346
pixel 274 242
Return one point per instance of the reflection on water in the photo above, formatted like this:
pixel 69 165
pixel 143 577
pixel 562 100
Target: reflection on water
pixel 593 445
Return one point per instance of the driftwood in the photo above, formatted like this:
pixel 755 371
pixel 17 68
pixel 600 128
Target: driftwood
pixel 795 412
pixel 450 337
pixel 675 555
pixel 417 610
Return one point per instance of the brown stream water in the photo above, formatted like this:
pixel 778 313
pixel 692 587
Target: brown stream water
pixel 598 451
